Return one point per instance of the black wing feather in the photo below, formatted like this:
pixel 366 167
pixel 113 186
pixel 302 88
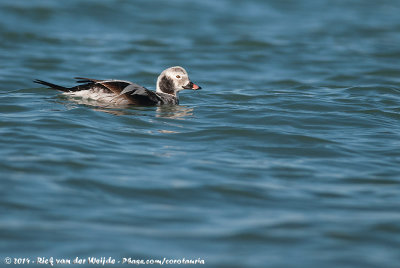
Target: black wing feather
pixel 86 80
pixel 140 95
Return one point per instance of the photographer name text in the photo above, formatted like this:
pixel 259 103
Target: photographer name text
pixel 100 261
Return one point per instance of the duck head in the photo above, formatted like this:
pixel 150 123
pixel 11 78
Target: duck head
pixel 173 80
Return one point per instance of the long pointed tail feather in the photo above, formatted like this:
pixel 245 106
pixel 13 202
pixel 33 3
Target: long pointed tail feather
pixel 51 85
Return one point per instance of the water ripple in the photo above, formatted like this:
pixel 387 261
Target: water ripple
pixel 290 149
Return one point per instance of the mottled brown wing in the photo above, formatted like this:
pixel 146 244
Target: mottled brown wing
pixel 111 86
pixel 115 86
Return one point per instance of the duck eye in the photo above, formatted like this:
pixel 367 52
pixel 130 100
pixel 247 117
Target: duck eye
pixel 178 76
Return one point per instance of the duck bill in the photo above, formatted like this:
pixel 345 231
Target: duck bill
pixel 195 87
pixel 191 85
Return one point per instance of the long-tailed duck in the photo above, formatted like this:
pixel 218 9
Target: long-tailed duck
pixel 169 83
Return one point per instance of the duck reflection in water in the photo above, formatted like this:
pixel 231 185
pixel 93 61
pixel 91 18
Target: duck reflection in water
pixel 163 111
pixel 174 111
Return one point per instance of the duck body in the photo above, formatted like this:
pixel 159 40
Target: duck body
pixel 121 92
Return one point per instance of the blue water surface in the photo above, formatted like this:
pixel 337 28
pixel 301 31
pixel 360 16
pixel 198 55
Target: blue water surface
pixel 288 157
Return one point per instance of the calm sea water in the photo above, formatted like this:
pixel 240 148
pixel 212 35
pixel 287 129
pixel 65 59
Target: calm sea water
pixel 288 157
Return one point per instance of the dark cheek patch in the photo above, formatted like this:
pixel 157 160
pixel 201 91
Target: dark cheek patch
pixel 166 85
